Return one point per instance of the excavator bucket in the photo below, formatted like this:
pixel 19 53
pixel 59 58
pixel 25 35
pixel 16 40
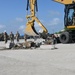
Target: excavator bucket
pixel 65 1
pixel 30 30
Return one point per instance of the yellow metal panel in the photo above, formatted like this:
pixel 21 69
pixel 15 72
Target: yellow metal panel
pixel 29 30
pixel 65 1
pixel 71 27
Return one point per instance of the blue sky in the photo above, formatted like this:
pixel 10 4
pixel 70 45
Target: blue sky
pixel 13 15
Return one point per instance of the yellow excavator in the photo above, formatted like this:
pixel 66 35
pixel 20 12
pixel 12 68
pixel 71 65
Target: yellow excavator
pixel 68 36
pixel 31 18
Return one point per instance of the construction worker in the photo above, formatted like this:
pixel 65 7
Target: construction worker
pixel 53 41
pixel 17 36
pixel 25 37
pixel 12 37
pixel 5 37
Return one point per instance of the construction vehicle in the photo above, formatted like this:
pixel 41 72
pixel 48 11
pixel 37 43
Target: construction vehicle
pixel 68 36
pixel 1 37
pixel 31 19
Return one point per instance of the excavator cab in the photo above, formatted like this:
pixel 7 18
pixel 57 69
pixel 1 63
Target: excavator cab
pixel 69 18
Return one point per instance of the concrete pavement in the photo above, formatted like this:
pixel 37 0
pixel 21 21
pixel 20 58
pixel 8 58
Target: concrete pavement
pixel 60 61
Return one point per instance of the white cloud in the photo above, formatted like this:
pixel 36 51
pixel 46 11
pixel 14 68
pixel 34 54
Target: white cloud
pixel 55 13
pixel 22 28
pixel 37 26
pixel 2 26
pixel 19 19
pixel 55 21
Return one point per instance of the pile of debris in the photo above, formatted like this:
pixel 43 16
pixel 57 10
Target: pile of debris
pixel 25 45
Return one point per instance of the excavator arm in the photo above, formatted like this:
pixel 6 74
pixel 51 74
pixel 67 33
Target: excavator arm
pixel 41 25
pixel 30 30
